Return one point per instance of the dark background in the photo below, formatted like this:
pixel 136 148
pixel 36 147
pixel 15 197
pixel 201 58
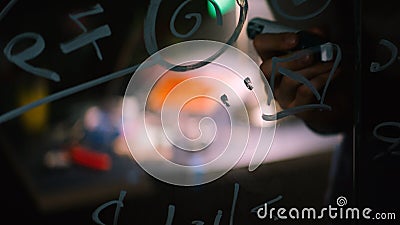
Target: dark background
pixel 70 196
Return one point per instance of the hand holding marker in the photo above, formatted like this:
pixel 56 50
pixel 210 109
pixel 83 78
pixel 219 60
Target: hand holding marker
pixel 323 49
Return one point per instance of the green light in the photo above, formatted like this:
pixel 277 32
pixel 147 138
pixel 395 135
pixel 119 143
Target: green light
pixel 224 5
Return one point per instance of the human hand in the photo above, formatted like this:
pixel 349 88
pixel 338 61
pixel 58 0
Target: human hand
pixel 290 93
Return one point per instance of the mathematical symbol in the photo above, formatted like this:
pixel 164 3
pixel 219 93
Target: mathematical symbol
pixel 275 4
pixel 301 79
pixel 29 53
pixel 375 66
pixel 248 83
pixel 263 208
pixel 87 38
pixel 7 8
pixel 395 141
pixel 224 99
pixel 298 2
pixel 388 152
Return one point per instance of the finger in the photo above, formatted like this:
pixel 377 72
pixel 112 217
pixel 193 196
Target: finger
pixel 266 68
pixel 304 94
pixel 286 91
pixel 296 64
pixel 282 62
pixel 286 94
pixel 316 70
pixel 268 45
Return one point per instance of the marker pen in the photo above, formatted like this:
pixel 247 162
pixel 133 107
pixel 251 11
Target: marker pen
pixel 323 48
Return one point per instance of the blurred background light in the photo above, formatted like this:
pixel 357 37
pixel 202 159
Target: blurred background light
pixel 224 5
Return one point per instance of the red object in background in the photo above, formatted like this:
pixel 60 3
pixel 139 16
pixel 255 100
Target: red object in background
pixel 90 158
